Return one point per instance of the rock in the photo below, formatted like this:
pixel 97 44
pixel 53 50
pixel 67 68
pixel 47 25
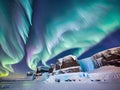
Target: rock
pixel 67 64
pixel 109 57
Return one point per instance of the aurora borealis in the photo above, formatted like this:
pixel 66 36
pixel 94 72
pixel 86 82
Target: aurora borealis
pixel 38 30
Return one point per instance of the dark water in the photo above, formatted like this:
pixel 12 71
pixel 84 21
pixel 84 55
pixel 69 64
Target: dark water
pixel 37 85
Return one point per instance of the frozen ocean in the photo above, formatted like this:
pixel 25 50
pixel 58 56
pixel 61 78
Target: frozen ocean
pixel 37 85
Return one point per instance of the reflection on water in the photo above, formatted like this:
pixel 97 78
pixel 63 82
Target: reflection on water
pixel 37 85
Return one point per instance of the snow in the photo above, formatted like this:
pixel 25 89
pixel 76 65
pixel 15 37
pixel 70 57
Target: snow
pixel 102 74
pixel 72 76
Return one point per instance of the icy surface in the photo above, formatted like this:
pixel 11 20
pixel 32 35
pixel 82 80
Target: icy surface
pixel 36 85
pixel 112 82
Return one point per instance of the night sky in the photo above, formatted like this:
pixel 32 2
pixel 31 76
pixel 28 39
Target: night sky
pixel 38 32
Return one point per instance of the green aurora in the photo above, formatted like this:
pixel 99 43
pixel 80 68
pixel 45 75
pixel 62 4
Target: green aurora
pixel 54 27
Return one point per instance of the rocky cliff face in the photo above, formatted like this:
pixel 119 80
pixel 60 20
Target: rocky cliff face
pixel 67 64
pixel 105 58
pixel 109 57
